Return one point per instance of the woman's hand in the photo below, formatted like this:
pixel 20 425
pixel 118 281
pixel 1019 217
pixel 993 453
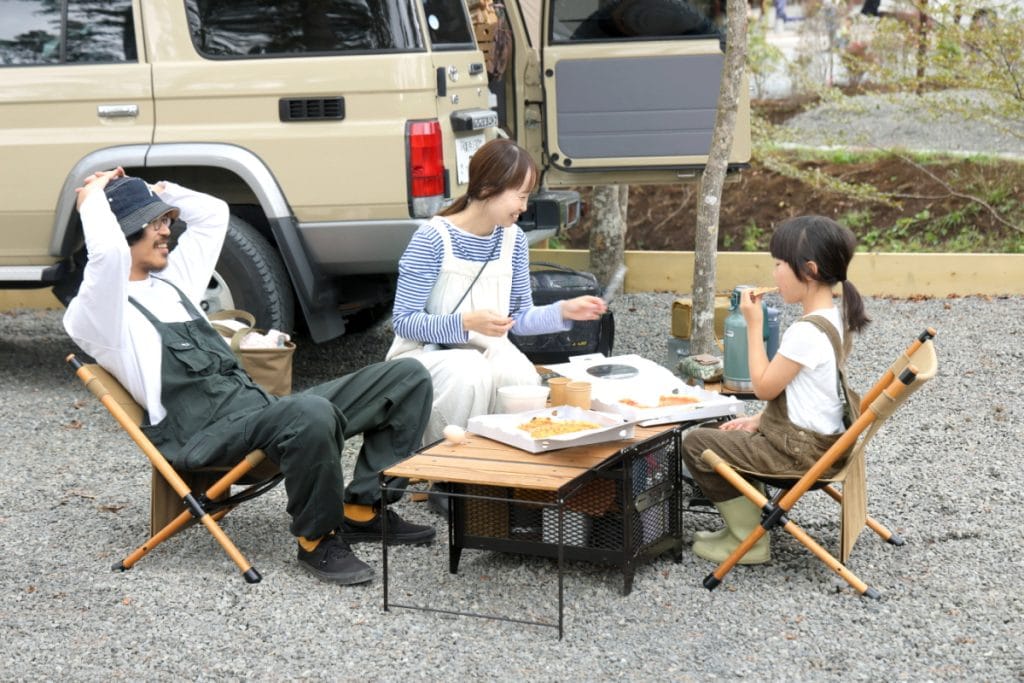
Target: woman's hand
pixel 583 308
pixel 95 183
pixel 487 322
pixel 744 424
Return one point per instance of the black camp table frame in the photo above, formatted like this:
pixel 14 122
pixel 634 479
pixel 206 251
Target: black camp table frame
pixel 486 475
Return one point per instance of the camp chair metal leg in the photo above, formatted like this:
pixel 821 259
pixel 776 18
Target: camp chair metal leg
pixel 173 527
pixel 158 461
pixel 219 488
pixel 916 366
pixel 249 572
pixel 207 508
pixel 774 517
pixel 712 580
pixel 831 562
pixel 884 532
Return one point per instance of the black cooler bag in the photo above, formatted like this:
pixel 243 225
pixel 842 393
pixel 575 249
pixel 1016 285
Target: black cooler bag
pixel 555 283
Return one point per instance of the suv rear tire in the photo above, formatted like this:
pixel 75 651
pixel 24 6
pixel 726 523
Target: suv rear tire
pixel 251 276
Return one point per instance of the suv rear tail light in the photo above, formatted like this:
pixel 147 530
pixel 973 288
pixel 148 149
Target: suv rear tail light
pixel 426 167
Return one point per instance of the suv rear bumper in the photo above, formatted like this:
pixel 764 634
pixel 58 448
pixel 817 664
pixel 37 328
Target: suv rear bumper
pixel 27 277
pixel 364 247
pixel 357 247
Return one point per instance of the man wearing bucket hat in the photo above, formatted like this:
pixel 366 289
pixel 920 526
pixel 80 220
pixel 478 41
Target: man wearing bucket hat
pixel 137 314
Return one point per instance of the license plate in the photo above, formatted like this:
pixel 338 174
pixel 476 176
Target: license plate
pixel 464 149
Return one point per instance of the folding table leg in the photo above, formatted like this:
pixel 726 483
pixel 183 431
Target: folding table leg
pixel 456 527
pixel 561 564
pixel 384 534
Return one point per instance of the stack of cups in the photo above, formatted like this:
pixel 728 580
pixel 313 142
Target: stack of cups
pixel 557 386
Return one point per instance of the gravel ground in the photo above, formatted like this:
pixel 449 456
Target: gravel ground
pixel 945 473
pixel 882 121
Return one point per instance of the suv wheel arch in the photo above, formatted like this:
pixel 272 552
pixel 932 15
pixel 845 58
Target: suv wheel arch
pixel 283 266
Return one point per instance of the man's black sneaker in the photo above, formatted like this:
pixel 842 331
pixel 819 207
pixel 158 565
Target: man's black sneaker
pixel 400 532
pixel 334 561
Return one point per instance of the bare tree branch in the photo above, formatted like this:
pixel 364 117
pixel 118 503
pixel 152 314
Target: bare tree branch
pixel 949 188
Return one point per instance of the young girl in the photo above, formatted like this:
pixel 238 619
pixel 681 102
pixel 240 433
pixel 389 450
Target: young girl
pixel 804 413
pixel 464 282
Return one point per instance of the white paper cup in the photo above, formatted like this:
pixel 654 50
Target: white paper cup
pixel 578 394
pixel 522 397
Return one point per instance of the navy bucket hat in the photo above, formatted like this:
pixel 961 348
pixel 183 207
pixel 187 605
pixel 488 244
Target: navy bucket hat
pixel 134 204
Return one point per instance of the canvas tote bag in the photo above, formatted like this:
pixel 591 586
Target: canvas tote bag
pixel 271 368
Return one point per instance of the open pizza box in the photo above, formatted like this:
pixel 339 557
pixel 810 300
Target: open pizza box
pixel 643 391
pixel 505 428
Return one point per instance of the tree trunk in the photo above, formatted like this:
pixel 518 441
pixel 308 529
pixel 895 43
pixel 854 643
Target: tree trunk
pixel 922 46
pixel 711 181
pixel 608 230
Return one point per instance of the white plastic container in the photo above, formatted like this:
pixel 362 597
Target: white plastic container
pixel 522 397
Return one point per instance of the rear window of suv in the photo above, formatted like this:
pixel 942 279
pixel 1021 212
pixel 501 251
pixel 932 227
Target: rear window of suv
pixel 447 24
pixel 606 20
pixel 278 28
pixel 66 32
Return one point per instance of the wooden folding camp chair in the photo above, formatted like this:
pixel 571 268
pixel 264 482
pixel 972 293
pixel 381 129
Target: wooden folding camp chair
pixel 912 369
pixel 180 498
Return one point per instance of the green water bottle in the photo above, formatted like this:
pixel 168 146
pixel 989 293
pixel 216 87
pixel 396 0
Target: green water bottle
pixel 735 371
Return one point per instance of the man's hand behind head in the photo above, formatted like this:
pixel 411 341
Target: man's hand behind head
pixel 95 183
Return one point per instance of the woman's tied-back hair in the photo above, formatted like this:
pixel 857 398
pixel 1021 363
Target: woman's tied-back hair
pixel 497 166
pixel 831 246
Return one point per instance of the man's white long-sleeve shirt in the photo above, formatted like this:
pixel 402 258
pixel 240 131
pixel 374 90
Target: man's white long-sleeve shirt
pixel 102 321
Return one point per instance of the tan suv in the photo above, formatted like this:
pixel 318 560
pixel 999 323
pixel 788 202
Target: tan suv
pixel 335 127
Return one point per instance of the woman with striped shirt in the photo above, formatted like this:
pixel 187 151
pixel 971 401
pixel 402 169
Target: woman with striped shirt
pixel 464 282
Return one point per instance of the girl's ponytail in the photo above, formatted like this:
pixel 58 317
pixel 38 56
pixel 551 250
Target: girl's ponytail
pixel 853 308
pixel 803 239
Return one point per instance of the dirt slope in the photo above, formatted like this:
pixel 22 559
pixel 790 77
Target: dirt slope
pixel 662 217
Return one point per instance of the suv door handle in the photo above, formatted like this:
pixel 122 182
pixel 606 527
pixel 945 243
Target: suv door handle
pixel 117 111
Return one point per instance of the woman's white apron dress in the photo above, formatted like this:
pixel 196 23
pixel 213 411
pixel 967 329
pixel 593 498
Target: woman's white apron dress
pixel 466 377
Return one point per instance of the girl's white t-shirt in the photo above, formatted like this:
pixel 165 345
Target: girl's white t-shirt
pixel 812 398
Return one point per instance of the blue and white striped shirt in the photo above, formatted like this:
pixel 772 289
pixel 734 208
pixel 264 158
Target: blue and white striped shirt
pixel 420 267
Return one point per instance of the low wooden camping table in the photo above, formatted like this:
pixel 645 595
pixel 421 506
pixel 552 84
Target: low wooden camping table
pixel 623 498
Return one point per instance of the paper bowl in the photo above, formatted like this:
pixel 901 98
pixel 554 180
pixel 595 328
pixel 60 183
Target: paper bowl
pixel 517 398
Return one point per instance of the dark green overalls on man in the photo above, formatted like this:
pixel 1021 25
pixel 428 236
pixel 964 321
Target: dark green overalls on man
pixel 216 415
